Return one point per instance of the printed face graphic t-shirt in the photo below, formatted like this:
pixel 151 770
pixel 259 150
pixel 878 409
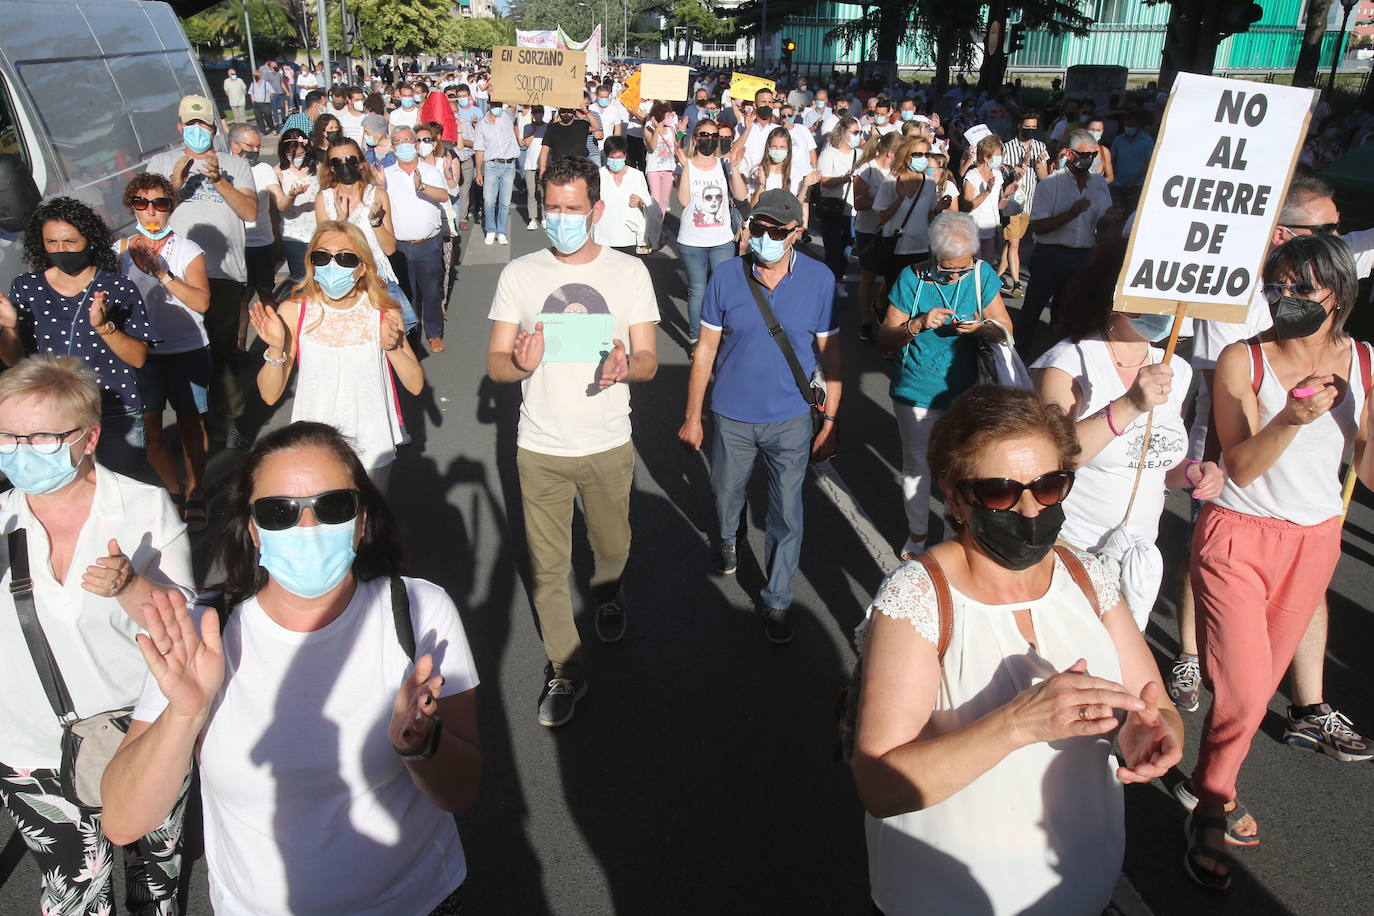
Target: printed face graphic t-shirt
pixel 706 218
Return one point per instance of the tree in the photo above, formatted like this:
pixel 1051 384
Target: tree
pixel 700 20
pixel 1309 55
pixel 407 27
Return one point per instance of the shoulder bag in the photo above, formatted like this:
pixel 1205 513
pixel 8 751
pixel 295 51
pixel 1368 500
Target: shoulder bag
pixel 88 744
pixel 834 208
pixel 812 390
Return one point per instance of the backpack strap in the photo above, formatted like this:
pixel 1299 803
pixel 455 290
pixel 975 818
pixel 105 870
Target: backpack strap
pixel 1080 575
pixel 944 601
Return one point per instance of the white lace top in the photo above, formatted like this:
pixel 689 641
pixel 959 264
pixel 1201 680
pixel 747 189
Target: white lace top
pixel 1042 831
pixel 361 216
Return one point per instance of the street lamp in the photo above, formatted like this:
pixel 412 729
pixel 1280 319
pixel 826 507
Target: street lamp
pixel 1347 6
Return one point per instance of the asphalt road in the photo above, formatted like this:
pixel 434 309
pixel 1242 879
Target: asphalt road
pixel 697 776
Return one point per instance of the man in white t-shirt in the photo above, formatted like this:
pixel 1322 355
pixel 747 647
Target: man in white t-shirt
pixel 409 112
pixel 611 115
pixel 417 191
pixel 757 128
pixel 259 236
pixel 556 312
pixel 803 141
pixel 351 117
pixel 306 83
pixel 236 90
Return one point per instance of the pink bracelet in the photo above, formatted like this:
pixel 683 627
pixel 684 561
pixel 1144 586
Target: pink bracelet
pixel 1111 425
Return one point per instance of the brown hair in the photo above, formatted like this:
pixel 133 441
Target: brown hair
pixel 988 147
pixel 901 163
pixel 149 181
pixel 326 171
pixel 986 415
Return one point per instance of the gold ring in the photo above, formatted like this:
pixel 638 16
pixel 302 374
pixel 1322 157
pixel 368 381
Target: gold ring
pixel 1082 712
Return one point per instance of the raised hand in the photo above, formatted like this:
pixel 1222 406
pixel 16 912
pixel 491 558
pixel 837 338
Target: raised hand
pixel 9 315
pixel 615 367
pixel 109 575
pixel 1152 386
pixel 417 180
pixel 636 201
pixel 145 259
pixel 188 666
pixel 210 168
pixel 417 702
pixel 267 324
pixel 377 215
pixel 97 308
pixel 1148 745
pixel 1069 704
pixel 529 349
pixel 182 171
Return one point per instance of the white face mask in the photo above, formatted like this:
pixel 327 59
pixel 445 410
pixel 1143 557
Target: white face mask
pixel 357 106
pixel 426 148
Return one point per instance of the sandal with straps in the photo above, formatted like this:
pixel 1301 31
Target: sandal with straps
pixel 1184 793
pixel 1193 825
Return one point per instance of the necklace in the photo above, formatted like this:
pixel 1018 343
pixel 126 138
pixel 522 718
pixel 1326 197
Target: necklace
pixel 1116 359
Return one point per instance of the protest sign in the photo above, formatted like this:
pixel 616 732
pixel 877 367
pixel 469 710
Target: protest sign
pixel 538 76
pixel 664 82
pixel 630 97
pixel 976 133
pixel 1212 197
pixel 743 86
pixel 536 38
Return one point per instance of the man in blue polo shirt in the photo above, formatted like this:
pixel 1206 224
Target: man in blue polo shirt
pixel 756 405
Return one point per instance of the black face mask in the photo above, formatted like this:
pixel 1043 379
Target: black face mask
pixel 71 263
pixel 724 145
pixel 1027 133
pixel 348 173
pixel 1294 317
pixel 333 136
pixel 251 156
pixel 764 113
pixel 708 147
pixel 1080 164
pixel 565 118
pixel 1012 539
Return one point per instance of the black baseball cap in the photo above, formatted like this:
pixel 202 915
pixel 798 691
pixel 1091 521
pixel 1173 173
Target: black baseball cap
pixel 778 205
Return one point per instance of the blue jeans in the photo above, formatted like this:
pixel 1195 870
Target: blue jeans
pixel 700 263
pixel 425 281
pixel 295 249
pixel 498 179
pixel 408 317
pixel 1051 268
pixel 786 449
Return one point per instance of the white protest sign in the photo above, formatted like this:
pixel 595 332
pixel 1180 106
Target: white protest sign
pixel 1216 183
pixel 976 133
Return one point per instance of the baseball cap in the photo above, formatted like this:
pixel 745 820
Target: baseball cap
pixel 196 108
pixel 778 205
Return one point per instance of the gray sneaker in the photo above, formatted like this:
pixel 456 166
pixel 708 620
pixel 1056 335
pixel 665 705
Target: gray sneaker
pixel 610 621
pixel 727 559
pixel 1185 683
pixel 1328 731
pixel 560 699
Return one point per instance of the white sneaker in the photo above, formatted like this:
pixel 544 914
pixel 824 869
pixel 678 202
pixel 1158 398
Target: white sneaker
pixel 491 238
pixel 501 239
pixel 534 224
pixel 544 223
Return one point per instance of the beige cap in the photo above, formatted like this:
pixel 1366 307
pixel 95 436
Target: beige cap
pixel 196 108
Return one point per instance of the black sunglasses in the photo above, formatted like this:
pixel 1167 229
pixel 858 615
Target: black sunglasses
pixel 776 233
pixel 1273 292
pixel 346 160
pixel 1001 493
pixel 1314 228
pixel 334 507
pixel 160 204
pixel 319 257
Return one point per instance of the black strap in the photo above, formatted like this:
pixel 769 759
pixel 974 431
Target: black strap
pixel 400 613
pixel 775 331
pixel 915 199
pixel 21 589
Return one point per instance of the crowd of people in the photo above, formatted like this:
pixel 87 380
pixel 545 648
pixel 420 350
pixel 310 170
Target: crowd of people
pixel 1002 667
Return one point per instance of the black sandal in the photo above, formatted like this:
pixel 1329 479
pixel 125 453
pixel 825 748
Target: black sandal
pixel 196 516
pixel 1204 876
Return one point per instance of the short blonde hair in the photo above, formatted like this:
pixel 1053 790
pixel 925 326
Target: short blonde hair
pixel 64 382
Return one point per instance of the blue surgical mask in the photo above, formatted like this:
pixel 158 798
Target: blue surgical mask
pixel 336 280
pixel 1152 327
pixel 196 137
pixel 908 115
pixel 1096 134
pixel 567 232
pixel 34 474
pixel 767 250
pixel 615 165
pixel 148 233
pixel 309 560
pixel 603 103
pixel 371 141
pixel 880 120
pixel 464 101
pixel 996 160
pixel 496 111
pixel 406 152
pixel 919 163
pixel 930 171
pixel 407 103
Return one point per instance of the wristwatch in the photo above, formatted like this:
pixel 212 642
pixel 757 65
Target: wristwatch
pixel 436 735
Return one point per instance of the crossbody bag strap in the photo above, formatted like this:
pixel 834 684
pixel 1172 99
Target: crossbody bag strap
pixel 400 614
pixel 915 199
pixel 779 336
pixel 944 601
pixel 1079 575
pixel 21 590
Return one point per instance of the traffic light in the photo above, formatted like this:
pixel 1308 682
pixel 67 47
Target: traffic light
pixel 789 45
pixel 1016 39
pixel 1237 16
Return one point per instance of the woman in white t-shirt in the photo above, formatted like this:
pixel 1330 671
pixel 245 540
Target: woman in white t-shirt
pixel 780 169
pixel 983 195
pixel 661 155
pixel 837 167
pixel 1110 379
pixel 98 544
pixel 705 237
pixel 169 271
pixel 294 186
pixel 906 204
pixel 625 195
pixel 875 170
pixel 330 764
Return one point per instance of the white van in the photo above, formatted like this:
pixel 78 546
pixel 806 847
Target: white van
pixel 88 92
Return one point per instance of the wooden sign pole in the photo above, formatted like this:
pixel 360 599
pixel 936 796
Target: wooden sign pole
pixel 1179 313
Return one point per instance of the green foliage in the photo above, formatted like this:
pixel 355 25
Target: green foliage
pixel 407 26
pixel 221 26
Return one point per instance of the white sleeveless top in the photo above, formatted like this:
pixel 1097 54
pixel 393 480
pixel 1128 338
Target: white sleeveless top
pixel 361 217
pixel 706 218
pixel 1043 831
pixel 1102 485
pixel 344 379
pixel 1303 485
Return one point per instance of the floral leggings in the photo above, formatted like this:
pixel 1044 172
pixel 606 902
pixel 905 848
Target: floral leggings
pixel 77 861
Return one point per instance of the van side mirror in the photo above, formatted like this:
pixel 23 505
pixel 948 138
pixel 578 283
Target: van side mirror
pixel 19 195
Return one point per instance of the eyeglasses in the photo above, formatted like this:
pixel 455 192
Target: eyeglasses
pixel 1314 228
pixel 346 160
pixel 776 233
pixel 1273 292
pixel 160 204
pixel 319 257
pixel 277 513
pixel 42 443
pixel 949 274
pixel 1001 493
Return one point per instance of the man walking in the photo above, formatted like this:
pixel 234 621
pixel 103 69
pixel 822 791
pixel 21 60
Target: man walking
pixel 574 434
pixel 236 90
pixel 417 191
pixel 493 142
pixel 467 115
pixel 260 94
pixel 756 404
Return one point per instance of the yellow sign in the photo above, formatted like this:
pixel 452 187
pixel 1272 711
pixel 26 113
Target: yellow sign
pixel 539 76
pixel 743 87
pixel 631 98
pixel 664 82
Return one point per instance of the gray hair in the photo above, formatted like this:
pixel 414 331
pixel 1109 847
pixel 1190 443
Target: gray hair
pixel 952 235
pixel 239 132
pixel 401 129
pixel 1078 137
pixel 1302 190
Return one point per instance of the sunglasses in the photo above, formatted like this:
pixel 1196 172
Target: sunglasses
pixel 1001 493
pixel 1314 228
pixel 776 233
pixel 160 204
pixel 1273 292
pixel 277 513
pixel 346 160
pixel 348 259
